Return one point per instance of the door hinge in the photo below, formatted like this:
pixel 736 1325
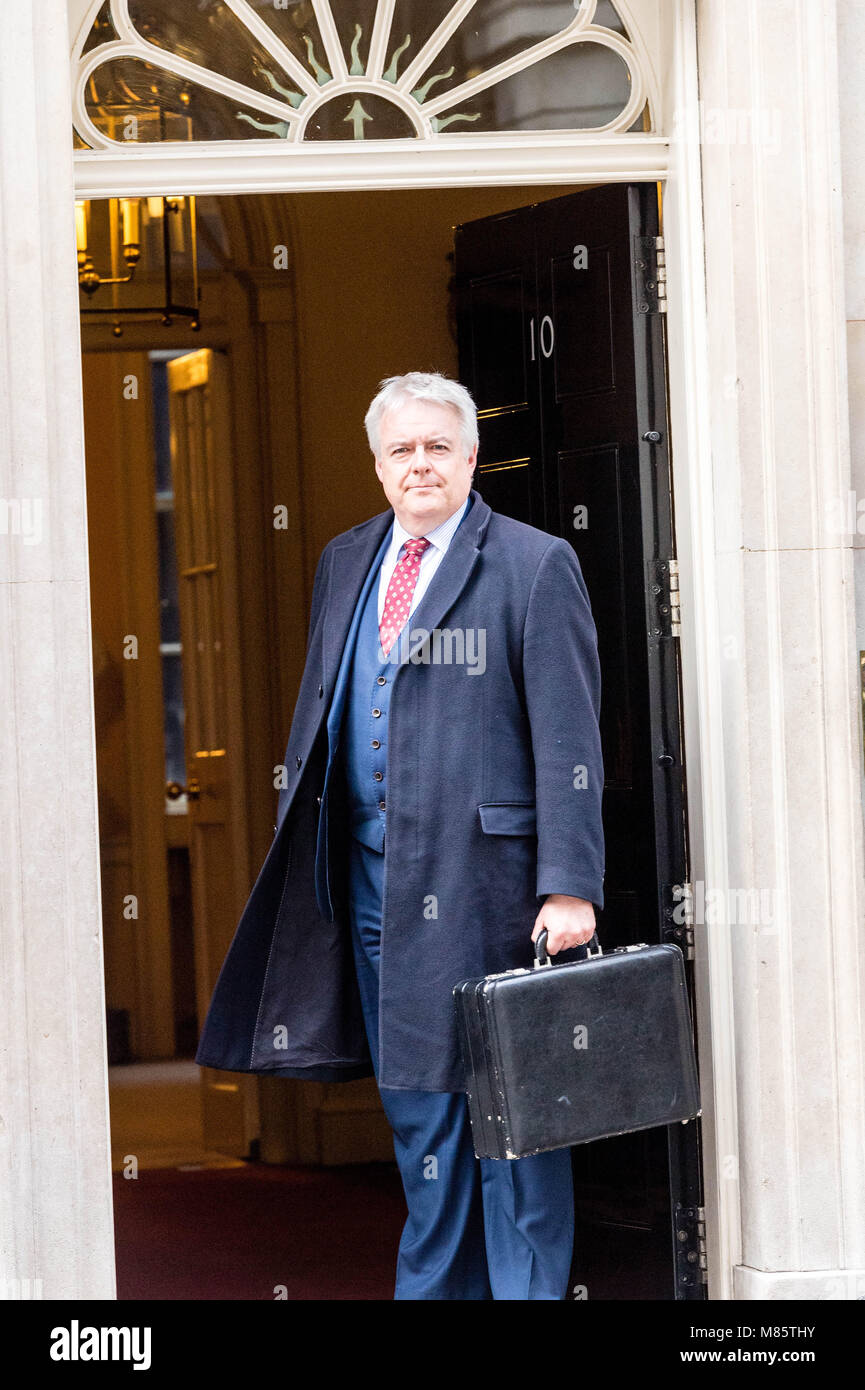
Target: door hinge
pixel 679 917
pixel 691 1258
pixel 666 609
pixel 650 274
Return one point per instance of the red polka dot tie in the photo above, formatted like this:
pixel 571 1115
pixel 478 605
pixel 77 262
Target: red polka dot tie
pixel 399 592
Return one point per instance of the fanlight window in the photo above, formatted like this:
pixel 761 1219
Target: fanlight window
pixel 202 70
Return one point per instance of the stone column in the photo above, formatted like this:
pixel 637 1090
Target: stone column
pixel 56 1229
pixel 788 661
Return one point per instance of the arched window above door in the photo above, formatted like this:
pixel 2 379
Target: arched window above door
pixel 203 71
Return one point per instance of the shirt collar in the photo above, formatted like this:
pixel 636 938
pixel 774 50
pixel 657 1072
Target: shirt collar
pixel 440 537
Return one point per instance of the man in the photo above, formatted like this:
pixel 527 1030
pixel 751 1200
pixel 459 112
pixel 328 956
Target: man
pixel 443 806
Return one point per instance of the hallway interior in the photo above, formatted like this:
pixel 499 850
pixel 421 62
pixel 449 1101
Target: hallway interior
pixel 156 1117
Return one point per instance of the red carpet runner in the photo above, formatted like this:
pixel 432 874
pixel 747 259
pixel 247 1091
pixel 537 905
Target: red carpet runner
pixel 239 1233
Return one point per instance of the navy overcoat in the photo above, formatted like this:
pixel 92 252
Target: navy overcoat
pixel 494 778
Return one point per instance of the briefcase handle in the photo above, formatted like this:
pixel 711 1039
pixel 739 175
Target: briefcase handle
pixel 542 957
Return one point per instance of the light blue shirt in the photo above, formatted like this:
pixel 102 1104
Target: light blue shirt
pixel 432 557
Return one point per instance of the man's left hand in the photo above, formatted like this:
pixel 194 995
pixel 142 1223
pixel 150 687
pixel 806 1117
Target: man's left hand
pixel 568 921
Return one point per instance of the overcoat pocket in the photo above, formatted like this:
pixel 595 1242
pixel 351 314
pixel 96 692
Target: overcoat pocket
pixel 508 817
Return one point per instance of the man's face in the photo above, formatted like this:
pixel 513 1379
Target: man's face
pixel 422 464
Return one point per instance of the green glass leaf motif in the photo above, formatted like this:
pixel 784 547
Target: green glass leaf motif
pixel 391 74
pixel 295 98
pixel 420 94
pixel 442 122
pixel 321 74
pixel 356 69
pixel 279 128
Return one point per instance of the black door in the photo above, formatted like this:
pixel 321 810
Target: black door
pixel 561 332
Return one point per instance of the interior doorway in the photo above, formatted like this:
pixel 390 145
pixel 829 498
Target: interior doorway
pixel 307 303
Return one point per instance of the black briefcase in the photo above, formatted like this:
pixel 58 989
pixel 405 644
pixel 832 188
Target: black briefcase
pixel 563 1054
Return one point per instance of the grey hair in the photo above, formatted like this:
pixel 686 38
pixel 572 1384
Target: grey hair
pixel 423 386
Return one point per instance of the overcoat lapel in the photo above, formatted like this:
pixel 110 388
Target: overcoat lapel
pixel 337 703
pixel 349 568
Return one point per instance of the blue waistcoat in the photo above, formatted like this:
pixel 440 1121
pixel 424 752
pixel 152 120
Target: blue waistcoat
pixel 364 730
pixel 337 724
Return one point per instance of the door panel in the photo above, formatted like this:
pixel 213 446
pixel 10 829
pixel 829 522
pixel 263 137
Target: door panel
pixel 200 445
pixel 595 387
pixel 584 359
pixel 498 308
pixel 497 303
pixel 129 700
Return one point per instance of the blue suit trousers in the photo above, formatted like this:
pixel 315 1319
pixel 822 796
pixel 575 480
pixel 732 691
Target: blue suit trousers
pixel 476 1228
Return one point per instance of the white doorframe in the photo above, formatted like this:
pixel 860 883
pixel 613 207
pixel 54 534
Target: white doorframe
pixel 688 364
pixel 523 159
